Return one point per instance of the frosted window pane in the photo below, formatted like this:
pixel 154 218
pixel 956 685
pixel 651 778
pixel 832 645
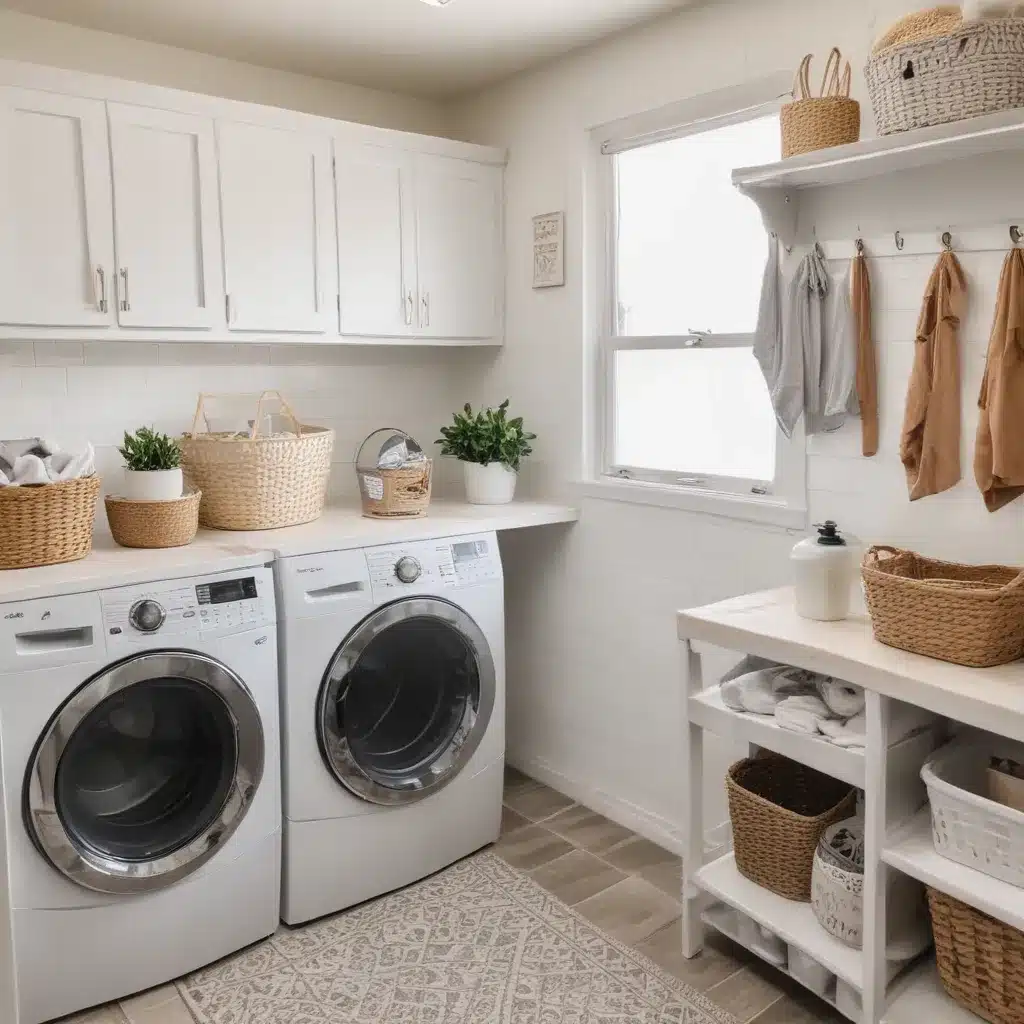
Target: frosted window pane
pixel 691 248
pixel 694 411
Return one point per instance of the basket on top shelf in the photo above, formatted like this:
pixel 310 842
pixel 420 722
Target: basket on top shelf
pixel 779 809
pixel 967 614
pixel 980 959
pixel 47 523
pixel 819 122
pixel 932 68
pixel 258 479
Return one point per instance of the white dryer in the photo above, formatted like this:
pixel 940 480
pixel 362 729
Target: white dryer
pixel 141 785
pixel 393 716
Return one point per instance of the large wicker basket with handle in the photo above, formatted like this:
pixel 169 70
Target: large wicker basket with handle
pixel 48 523
pixel 980 959
pixel 933 79
pixel 779 810
pixel 254 482
pixel 967 614
pixel 818 122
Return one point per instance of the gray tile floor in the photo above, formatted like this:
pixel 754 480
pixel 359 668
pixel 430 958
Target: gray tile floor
pixel 627 886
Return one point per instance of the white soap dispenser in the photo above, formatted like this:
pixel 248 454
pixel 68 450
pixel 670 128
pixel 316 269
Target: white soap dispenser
pixel 824 567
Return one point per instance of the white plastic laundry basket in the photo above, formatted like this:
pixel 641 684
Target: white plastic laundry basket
pixel 967 827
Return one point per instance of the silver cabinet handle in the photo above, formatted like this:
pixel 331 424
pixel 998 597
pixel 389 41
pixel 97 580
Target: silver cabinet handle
pixel 126 304
pixel 101 301
pixel 409 307
pixel 426 309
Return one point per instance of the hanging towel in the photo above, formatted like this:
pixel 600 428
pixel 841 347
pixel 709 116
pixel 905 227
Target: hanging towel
pixel 838 359
pixel 867 370
pixel 999 449
pixel 930 442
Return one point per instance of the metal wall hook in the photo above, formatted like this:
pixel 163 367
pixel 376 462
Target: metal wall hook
pixel 1015 235
pixel 819 250
pixel 947 241
pixel 859 244
pixel 899 240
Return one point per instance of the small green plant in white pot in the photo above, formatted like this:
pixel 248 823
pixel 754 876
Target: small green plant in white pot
pixel 491 448
pixel 152 466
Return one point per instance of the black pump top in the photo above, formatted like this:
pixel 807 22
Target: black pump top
pixel 829 535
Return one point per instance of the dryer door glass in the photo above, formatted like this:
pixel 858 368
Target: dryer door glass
pixel 406 700
pixel 145 772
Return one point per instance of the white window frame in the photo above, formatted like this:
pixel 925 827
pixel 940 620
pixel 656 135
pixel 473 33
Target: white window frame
pixel 782 501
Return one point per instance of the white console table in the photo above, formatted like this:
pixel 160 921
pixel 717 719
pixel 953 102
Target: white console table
pixel 897 822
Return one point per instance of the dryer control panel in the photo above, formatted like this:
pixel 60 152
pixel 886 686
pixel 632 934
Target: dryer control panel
pixel 225 603
pixel 433 565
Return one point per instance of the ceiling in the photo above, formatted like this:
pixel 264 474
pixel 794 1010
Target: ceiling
pixel 400 45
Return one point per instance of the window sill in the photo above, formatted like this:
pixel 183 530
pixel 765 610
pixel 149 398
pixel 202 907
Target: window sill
pixel 768 511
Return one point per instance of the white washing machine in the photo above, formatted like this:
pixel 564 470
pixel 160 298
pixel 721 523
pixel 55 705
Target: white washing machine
pixel 141 775
pixel 393 716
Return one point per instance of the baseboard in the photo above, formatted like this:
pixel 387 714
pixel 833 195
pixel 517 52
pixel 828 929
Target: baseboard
pixel 645 823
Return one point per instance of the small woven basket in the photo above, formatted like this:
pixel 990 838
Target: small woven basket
pixel 967 614
pixel 250 482
pixel 779 810
pixel 980 959
pixel 818 122
pixel 48 523
pixel 977 69
pixel 153 524
pixel 396 493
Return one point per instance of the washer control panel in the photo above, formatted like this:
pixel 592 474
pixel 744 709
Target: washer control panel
pixel 433 565
pixel 228 602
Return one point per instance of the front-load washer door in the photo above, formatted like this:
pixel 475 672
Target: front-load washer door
pixel 145 772
pixel 406 700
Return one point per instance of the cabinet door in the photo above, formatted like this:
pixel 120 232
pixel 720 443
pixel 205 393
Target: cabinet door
pixel 458 232
pixel 376 242
pixel 166 223
pixel 277 208
pixel 56 232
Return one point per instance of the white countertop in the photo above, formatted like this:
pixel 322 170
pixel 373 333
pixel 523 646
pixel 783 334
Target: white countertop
pixel 767 624
pixel 340 528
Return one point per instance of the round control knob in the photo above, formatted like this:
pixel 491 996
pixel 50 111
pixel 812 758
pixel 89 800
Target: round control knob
pixel 146 616
pixel 407 569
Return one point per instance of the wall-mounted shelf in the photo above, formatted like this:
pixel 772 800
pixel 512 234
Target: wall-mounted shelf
pixel 773 186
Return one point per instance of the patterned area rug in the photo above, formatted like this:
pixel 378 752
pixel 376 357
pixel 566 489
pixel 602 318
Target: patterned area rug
pixel 479 943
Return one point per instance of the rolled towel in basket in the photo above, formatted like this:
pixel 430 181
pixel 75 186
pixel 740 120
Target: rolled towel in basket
pixel 844 699
pixel 33 461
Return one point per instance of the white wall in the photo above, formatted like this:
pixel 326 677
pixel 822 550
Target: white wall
pixel 593 660
pixel 40 41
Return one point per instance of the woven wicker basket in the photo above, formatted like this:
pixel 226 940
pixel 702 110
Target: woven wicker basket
pixel 779 809
pixel 818 122
pixel 47 524
pixel 250 482
pixel 967 614
pixel 978 69
pixel 153 524
pixel 396 493
pixel 981 960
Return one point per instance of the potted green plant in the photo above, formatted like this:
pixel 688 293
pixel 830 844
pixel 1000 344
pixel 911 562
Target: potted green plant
pixel 491 448
pixel 152 466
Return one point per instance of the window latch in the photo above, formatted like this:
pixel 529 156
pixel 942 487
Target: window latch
pixel 696 338
pixel 622 474
pixel 759 489
pixel 692 481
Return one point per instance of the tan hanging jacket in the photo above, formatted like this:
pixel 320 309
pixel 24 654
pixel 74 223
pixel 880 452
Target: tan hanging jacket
pixel 867 371
pixel 930 442
pixel 999 449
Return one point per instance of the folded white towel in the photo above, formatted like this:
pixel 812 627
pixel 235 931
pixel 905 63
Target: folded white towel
pixel 33 461
pixel 844 699
pixel 29 469
pixel 803 713
pixel 753 692
pixel 850 732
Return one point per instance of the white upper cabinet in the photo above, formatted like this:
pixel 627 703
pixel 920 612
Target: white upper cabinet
pixel 458 243
pixel 277 209
pixel 56 241
pixel 166 219
pixel 376 241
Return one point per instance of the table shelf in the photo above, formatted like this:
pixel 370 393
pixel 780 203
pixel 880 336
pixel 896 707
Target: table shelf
pixel 919 998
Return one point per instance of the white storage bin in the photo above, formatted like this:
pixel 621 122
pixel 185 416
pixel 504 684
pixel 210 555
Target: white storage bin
pixel 809 972
pixel 967 827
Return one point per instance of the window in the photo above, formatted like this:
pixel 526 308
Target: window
pixel 683 403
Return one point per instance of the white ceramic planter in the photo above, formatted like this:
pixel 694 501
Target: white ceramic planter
pixel 493 484
pixel 152 484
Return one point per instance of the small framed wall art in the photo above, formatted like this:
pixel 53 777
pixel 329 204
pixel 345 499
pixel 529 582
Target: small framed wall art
pixel 549 250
